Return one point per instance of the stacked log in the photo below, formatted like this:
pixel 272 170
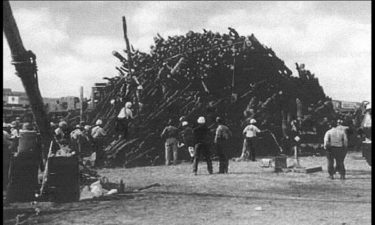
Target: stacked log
pixel 210 74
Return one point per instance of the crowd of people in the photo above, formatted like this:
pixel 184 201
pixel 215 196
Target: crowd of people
pixel 197 139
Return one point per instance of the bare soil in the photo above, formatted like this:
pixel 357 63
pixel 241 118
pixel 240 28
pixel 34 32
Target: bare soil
pixel 182 198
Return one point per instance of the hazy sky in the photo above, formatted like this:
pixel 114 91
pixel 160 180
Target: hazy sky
pixel 73 41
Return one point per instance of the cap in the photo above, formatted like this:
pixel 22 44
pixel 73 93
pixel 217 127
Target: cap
pixel 13 124
pixel 99 122
pixel 201 120
pixel 27 126
pixel 63 124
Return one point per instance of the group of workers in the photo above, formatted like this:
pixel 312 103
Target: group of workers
pixel 197 141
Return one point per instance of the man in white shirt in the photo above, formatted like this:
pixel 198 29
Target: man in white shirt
pixel 336 143
pixel 250 133
pixel 123 119
pixel 98 134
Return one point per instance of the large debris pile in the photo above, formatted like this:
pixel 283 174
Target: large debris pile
pixel 209 74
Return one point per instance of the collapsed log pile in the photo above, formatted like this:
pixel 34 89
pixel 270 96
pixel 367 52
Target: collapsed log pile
pixel 209 74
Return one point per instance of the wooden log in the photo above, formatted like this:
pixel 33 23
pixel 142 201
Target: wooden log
pixel 25 64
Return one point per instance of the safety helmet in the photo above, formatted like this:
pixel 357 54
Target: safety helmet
pixel 27 126
pixel 201 120
pixel 99 122
pixel 252 121
pixel 128 104
pixel 184 123
pixel 63 124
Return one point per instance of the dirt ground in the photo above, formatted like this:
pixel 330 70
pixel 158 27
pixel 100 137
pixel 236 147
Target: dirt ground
pixel 182 198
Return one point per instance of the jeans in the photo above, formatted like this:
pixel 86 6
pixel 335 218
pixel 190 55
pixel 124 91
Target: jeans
pixel 98 143
pixel 338 154
pixel 171 147
pixel 202 149
pixel 250 147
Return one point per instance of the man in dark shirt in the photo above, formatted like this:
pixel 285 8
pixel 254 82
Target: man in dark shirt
pixel 222 136
pixel 170 134
pixel 201 134
pixel 187 138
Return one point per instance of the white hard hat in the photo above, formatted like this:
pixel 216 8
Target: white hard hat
pixel 128 104
pixel 63 124
pixel 184 123
pixel 252 121
pixel 368 106
pixel 99 122
pixel 201 120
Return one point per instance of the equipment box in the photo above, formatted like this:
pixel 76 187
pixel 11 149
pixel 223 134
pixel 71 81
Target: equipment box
pixel 63 179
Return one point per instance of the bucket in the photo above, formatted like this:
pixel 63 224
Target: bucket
pixel 27 141
pixel 280 162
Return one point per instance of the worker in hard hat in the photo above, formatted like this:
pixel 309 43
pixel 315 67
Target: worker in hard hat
pixel 222 138
pixel 202 147
pixel 61 132
pixel 98 134
pixel 14 129
pixel 170 135
pixel 336 143
pixel 187 138
pixel 76 137
pixel 7 143
pixel 123 119
pixel 250 133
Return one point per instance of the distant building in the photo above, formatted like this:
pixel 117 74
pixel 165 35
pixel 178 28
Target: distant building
pixel 345 106
pixel 16 103
pixel 97 94
pixel 15 98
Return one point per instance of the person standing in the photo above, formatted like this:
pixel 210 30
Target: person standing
pixel 201 134
pixel 335 143
pixel 98 134
pixel 123 120
pixel 61 133
pixel 222 136
pixel 7 144
pixel 170 134
pixel 76 138
pixel 187 138
pixel 250 133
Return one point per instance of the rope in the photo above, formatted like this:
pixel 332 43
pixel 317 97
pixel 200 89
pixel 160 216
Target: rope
pixel 26 63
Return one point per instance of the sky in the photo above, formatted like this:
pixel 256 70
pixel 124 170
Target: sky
pixel 73 40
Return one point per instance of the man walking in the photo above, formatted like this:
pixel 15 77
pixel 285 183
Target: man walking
pixel 201 134
pixel 250 133
pixel 335 143
pixel 170 134
pixel 222 136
